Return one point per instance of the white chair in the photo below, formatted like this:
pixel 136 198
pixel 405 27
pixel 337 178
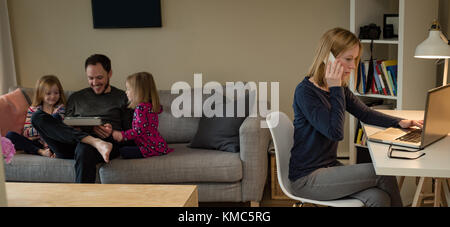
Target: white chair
pixel 282 131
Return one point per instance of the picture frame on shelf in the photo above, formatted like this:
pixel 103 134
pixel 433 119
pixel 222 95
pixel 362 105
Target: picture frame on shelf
pixel 390 26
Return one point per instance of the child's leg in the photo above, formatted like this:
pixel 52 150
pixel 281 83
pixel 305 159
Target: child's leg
pixel 22 143
pixel 57 116
pixel 61 138
pixel 130 152
pixel 53 129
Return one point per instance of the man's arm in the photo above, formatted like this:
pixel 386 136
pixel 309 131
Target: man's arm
pixel 126 115
pixel 70 108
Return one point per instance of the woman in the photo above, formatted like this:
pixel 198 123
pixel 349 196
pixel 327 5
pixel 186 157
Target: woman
pixel 320 102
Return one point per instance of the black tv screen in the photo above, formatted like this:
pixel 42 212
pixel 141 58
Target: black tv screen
pixel 126 13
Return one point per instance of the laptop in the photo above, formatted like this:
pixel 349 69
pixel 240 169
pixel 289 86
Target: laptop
pixel 82 121
pixel 436 123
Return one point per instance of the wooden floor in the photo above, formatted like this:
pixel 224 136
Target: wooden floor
pixel 267 201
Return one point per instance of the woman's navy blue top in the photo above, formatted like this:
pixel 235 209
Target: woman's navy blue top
pixel 319 125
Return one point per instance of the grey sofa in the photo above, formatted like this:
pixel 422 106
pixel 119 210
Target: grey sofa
pixel 220 176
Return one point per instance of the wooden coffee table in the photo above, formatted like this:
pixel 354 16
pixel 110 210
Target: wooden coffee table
pixel 100 195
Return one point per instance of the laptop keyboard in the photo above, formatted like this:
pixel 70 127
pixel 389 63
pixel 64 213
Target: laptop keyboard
pixel 413 136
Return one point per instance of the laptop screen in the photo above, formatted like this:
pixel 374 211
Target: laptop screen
pixel 437 115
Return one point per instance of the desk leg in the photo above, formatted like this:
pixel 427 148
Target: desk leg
pixel 401 180
pixel 417 197
pixel 446 192
pixel 437 192
pixel 441 193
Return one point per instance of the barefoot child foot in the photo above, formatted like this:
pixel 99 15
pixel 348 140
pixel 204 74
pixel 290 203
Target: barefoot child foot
pixel 104 148
pixel 45 152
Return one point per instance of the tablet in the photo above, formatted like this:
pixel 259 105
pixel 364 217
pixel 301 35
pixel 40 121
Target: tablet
pixel 83 121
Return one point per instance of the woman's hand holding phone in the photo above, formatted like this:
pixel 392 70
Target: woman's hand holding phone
pixel 333 73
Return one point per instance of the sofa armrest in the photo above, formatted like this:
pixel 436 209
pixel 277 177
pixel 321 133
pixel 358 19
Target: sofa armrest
pixel 254 142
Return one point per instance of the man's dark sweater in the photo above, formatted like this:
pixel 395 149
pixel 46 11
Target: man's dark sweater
pixel 319 125
pixel 111 107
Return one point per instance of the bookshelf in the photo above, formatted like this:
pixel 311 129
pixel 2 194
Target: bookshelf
pixel 381 41
pixel 414 76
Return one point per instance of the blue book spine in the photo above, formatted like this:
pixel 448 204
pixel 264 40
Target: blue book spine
pixel 377 79
pixel 392 83
pixel 393 70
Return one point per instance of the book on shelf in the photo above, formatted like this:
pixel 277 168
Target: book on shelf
pixel 364 70
pixel 388 76
pixel 358 78
pixel 360 136
pixel 370 80
pixel 377 77
pixel 391 70
pixel 364 140
pixel 360 132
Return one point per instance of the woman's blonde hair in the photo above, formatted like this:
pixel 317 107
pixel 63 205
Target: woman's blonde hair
pixel 144 90
pixel 336 41
pixel 42 85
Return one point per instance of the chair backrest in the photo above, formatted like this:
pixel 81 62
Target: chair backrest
pixel 282 131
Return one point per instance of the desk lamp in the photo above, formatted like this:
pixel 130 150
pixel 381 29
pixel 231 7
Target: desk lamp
pixel 436 46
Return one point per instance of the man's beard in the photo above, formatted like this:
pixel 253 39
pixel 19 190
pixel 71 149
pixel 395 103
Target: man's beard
pixel 104 88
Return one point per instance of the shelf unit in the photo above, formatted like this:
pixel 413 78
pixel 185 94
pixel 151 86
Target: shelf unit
pixel 415 76
pixel 381 41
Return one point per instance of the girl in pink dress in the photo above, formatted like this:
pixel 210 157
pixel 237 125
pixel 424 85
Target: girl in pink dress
pixel 143 97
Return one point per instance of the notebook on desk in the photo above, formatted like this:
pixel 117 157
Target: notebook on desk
pixel 436 123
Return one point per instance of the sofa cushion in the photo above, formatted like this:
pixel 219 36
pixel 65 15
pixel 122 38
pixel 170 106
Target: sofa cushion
pixel 184 165
pixel 218 133
pixel 175 130
pixel 35 168
pixel 221 133
pixel 13 110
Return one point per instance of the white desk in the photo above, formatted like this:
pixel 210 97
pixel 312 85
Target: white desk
pixel 435 163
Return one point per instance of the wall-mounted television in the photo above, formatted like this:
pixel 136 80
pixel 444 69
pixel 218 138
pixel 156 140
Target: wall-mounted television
pixel 126 13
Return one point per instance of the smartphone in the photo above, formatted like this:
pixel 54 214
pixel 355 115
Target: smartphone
pixel 331 59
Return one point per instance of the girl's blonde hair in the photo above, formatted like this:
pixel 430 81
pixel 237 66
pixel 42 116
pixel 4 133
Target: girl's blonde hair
pixel 144 90
pixel 336 41
pixel 42 85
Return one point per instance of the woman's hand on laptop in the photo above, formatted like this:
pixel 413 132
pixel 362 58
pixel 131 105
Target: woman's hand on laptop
pixel 411 123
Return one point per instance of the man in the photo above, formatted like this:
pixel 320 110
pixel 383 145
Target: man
pixel 100 99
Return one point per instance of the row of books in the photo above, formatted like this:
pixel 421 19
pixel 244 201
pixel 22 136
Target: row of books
pixel 377 77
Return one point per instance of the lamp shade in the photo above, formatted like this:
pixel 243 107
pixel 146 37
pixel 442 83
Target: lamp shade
pixel 433 47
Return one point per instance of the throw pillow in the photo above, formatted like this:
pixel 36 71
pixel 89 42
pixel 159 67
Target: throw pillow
pixel 13 110
pixel 220 133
